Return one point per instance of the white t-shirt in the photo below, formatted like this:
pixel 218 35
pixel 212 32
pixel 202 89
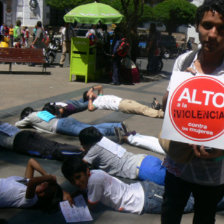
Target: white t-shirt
pixel 107 102
pixel 200 171
pixel 114 193
pixel 12 193
pixel 61 104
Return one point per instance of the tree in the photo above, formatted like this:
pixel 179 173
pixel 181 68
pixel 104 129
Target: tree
pixel 174 13
pixel 66 4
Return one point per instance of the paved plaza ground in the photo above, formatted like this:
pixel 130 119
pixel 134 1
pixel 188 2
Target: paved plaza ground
pixel 28 87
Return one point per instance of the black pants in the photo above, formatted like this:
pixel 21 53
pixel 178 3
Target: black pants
pixel 31 143
pixel 177 192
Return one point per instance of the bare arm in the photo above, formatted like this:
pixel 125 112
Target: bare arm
pixel 99 89
pixel 91 107
pixel 33 166
pixel 32 184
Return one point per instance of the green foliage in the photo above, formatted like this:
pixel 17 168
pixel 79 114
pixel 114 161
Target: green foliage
pixel 147 14
pixel 174 13
pixel 66 4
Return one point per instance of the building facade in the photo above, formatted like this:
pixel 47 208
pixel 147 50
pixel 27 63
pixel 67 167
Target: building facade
pixel 28 11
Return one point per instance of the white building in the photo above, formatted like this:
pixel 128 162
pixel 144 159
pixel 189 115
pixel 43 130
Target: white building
pixel 28 11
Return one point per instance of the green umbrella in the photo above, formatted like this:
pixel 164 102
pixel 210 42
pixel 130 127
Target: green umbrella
pixel 93 13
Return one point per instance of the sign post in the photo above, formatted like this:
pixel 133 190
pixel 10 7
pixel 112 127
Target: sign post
pixel 194 112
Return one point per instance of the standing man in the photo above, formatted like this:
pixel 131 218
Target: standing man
pixel 66 43
pixel 17 34
pixel 152 48
pixel 116 59
pixel 38 41
pixel 203 174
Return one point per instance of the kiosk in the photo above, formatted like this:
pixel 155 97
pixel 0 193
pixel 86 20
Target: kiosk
pixel 82 59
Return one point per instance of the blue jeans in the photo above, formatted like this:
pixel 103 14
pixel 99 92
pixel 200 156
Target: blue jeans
pixel 154 198
pixel 70 126
pixel 79 105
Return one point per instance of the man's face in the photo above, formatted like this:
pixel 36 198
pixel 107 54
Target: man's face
pixel 80 180
pixel 41 189
pixel 211 32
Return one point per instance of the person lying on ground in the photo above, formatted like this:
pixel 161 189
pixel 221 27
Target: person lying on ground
pixel 115 103
pixel 46 121
pixel 65 109
pixel 111 157
pixel 140 197
pixel 31 143
pixel 39 192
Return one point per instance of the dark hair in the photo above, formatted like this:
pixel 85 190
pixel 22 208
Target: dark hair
pixel 71 166
pixel 18 22
pixel 85 97
pixel 90 136
pixel 25 112
pixel 51 202
pixel 209 5
pixel 51 108
pixel 39 24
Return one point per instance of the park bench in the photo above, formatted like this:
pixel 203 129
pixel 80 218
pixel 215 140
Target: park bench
pixel 23 55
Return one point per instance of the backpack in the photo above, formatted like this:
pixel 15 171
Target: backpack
pixel 123 48
pixel 188 60
pixel 92 39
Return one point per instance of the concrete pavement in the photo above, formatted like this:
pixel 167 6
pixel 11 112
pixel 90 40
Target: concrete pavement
pixel 30 88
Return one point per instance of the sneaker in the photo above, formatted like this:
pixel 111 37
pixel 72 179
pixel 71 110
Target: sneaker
pixel 155 104
pixel 118 135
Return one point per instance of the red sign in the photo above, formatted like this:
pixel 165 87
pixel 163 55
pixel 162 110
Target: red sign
pixel 196 108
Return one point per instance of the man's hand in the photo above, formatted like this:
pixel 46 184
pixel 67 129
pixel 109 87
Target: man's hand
pixel 68 197
pixel 200 152
pixel 191 70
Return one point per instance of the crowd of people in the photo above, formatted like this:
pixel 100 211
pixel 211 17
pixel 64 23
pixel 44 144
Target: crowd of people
pixel 19 36
pixel 167 187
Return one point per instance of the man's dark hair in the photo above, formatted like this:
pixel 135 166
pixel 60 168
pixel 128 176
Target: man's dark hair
pixel 85 97
pixel 72 166
pixel 39 24
pixel 50 108
pixel 209 5
pixel 51 203
pixel 25 112
pixel 18 22
pixel 90 136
